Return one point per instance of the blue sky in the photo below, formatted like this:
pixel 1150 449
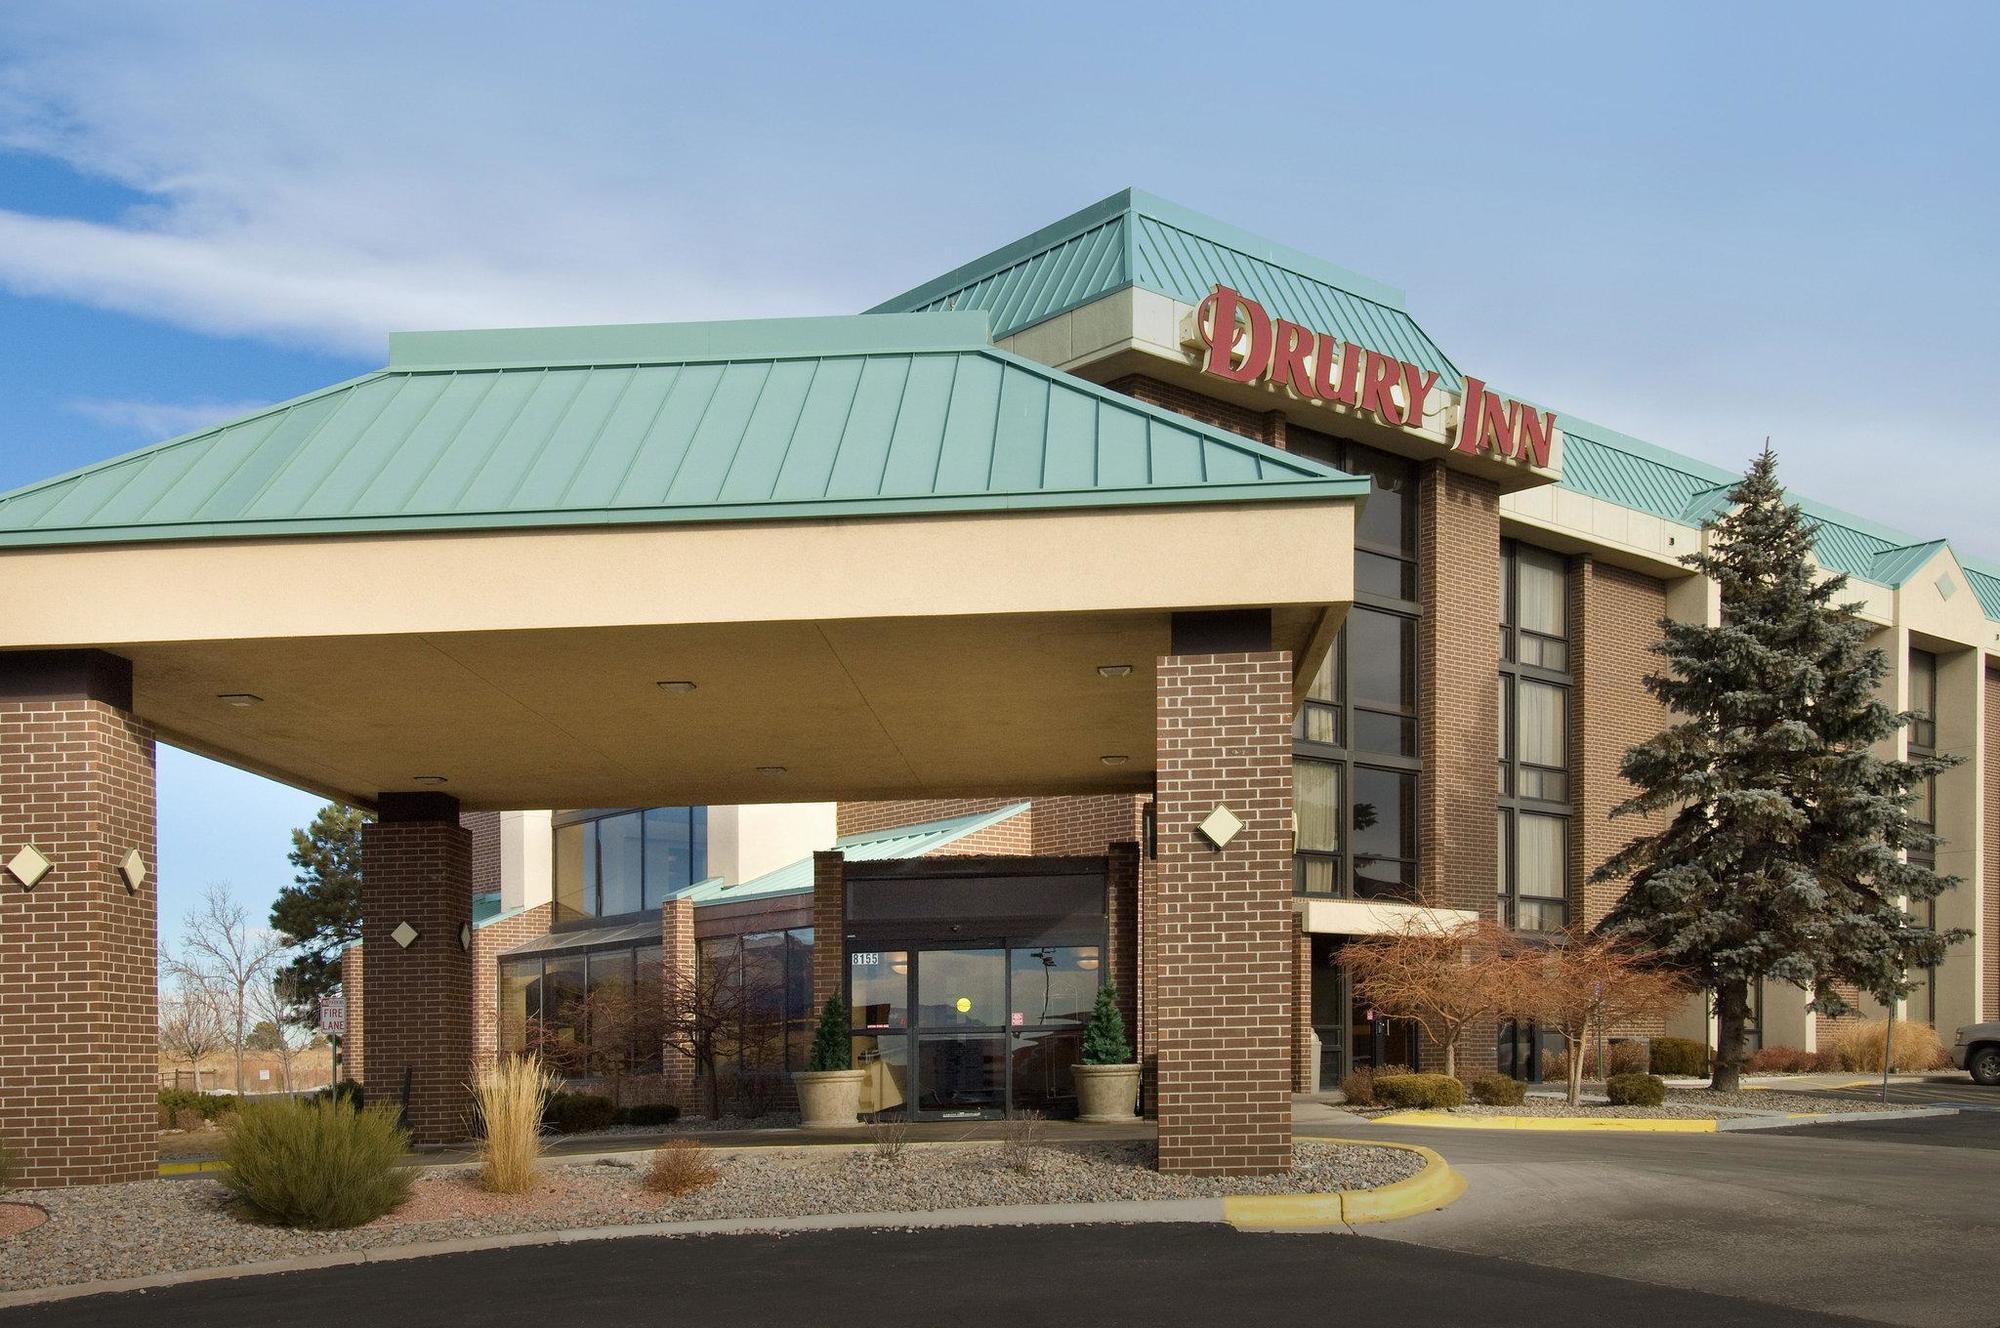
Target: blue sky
pixel 1699 224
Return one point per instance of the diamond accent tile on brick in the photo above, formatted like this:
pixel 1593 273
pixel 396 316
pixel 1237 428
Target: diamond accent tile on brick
pixel 405 935
pixel 1220 826
pixel 29 867
pixel 133 869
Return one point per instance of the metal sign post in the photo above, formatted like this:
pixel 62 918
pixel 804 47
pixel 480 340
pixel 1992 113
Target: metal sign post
pixel 1888 1049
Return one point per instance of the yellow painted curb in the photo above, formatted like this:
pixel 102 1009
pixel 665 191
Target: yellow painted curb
pixel 191 1168
pixel 1434 1187
pixel 1443 1120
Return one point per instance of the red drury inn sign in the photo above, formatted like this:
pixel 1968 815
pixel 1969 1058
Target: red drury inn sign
pixel 1252 347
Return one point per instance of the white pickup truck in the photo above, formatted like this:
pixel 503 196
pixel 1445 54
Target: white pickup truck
pixel 1978 1051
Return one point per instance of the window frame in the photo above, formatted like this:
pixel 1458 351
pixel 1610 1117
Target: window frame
pixel 587 823
pixel 1512 802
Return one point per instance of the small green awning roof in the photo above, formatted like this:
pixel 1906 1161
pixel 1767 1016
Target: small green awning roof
pixel 872 415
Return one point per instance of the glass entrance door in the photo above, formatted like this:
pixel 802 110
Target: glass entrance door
pixel 964 1032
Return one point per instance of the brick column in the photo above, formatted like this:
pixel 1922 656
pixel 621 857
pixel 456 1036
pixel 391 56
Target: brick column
pixel 829 926
pixel 416 868
pixel 1458 718
pixel 79 1020
pixel 677 965
pixel 353 989
pixel 1225 915
pixel 1121 917
pixel 1302 1021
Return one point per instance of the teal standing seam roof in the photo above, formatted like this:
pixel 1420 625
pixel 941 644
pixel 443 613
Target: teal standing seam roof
pixel 1986 586
pixel 904 841
pixel 774 419
pixel 1135 239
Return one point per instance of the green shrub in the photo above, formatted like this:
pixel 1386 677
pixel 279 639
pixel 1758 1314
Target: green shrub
pixel 1679 1056
pixel 832 1046
pixel 1419 1090
pixel 176 1102
pixel 1635 1090
pixel 648 1115
pixel 579 1113
pixel 1357 1087
pixel 345 1091
pixel 317 1165
pixel 1498 1090
pixel 1104 1036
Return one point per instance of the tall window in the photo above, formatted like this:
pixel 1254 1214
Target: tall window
pixel 614 863
pixel 1354 745
pixel 1923 743
pixel 1534 811
pixel 583 1010
pixel 772 973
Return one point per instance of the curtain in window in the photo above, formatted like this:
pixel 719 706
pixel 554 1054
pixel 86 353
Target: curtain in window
pixel 1540 593
pixel 1540 725
pixel 1316 801
pixel 1541 845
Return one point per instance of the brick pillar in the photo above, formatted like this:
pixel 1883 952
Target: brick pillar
pixel 829 926
pixel 353 986
pixel 1225 915
pixel 1302 1022
pixel 677 965
pixel 416 868
pixel 79 1019
pixel 1121 916
pixel 1458 720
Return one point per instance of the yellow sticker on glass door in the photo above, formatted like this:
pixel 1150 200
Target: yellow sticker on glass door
pixel 964 1004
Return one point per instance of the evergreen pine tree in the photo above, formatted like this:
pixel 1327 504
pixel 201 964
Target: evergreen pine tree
pixel 319 915
pixel 831 1047
pixel 1104 1036
pixel 1785 855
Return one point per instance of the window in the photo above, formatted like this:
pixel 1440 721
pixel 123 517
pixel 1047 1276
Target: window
pixel 618 863
pixel 583 1011
pixel 1355 765
pixel 1533 783
pixel 1923 743
pixel 771 974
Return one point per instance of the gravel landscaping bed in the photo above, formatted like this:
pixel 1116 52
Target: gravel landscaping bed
pixel 102 1232
pixel 1681 1104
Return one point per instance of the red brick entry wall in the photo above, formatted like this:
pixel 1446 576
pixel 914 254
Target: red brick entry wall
pixel 79 1020
pixel 488 942
pixel 420 997
pixel 1224 927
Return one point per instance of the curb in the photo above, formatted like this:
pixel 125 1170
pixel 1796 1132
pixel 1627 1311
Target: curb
pixel 1436 1186
pixel 1433 1187
pixel 1439 1120
pixel 1834 1118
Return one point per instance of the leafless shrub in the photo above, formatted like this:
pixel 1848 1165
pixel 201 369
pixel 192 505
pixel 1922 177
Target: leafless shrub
pixel 1020 1140
pixel 888 1136
pixel 680 1166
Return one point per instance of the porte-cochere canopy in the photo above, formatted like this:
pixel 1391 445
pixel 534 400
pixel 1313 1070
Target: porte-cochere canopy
pixel 891 557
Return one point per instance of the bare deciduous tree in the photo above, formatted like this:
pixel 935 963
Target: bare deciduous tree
pixel 269 1004
pixel 220 950
pixel 711 1015
pixel 191 1024
pixel 605 1034
pixel 1584 981
pixel 1442 977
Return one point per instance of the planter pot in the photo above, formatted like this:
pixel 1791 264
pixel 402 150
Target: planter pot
pixel 1107 1094
pixel 828 1099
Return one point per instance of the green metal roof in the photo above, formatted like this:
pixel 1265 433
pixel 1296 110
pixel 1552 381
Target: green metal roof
pixel 904 841
pixel 790 418
pixel 1986 585
pixel 1135 239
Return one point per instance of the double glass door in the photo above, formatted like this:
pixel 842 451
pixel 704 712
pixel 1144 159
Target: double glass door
pixel 963 1032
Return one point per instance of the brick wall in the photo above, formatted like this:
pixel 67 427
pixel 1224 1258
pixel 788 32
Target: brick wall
pixel 856 818
pixel 1458 733
pixel 353 987
pixel 487 944
pixel 1614 621
pixel 1121 917
pixel 829 926
pixel 1302 1024
pixel 419 998
pixel 1266 426
pixel 1989 918
pixel 1224 929
pixel 79 1022
pixel 484 827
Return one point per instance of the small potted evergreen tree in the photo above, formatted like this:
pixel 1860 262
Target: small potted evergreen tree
pixel 1107 1082
pixel 829 1088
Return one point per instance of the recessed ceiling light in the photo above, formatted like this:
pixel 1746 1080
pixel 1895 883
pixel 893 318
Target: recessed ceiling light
pixel 770 770
pixel 1114 670
pixel 1114 760
pixel 241 700
pixel 675 685
pixel 428 779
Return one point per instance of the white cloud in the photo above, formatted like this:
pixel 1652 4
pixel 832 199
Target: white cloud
pixel 156 420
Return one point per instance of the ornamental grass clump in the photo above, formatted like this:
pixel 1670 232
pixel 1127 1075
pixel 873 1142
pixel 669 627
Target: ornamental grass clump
pixel 320 1166
pixel 512 1094
pixel 1860 1046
